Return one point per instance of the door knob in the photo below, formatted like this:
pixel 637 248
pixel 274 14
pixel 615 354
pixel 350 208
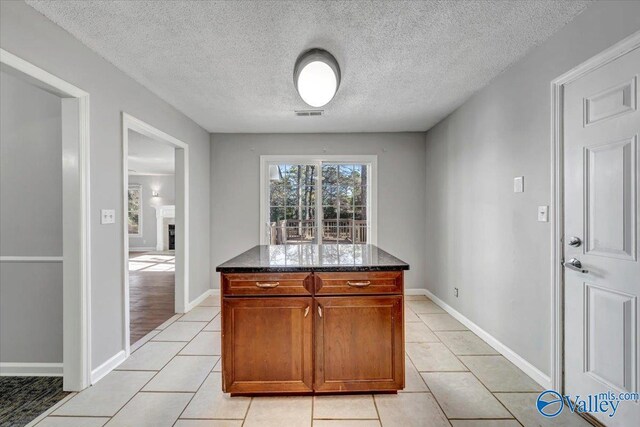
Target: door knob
pixel 575 242
pixel 575 265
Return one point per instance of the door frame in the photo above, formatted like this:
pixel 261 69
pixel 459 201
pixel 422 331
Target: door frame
pixel 76 219
pixel 182 216
pixel 557 197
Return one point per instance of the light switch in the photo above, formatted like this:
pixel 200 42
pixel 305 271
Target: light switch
pixel 107 216
pixel 518 184
pixel 543 213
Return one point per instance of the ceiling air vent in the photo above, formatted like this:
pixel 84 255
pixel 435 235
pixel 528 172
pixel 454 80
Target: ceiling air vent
pixel 309 113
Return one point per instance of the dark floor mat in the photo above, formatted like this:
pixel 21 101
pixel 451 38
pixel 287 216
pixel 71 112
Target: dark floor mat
pixel 24 398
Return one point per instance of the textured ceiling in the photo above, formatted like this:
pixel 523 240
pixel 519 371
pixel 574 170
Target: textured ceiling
pixel 228 64
pixel 149 157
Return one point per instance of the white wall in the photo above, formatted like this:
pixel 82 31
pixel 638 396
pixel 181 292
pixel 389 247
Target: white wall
pixel 30 222
pixel 29 35
pixel 482 237
pixel 165 186
pixel 235 189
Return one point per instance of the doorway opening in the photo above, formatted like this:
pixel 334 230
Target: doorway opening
pixel 155 230
pixel 44 245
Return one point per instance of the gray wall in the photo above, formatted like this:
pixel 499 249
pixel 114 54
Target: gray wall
pixel 235 189
pixel 165 186
pixel 482 237
pixel 30 222
pixel 29 35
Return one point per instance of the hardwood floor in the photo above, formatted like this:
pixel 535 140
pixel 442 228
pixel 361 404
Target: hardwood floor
pixel 151 291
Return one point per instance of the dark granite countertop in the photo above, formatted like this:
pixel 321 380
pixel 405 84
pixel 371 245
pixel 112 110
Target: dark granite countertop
pixel 305 257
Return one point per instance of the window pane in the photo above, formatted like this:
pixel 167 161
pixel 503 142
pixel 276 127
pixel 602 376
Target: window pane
pixel 134 208
pixel 303 195
pixel 360 213
pixel 360 175
pixel 300 213
pixel 277 194
pixel 360 196
pixel 344 234
pixel 329 212
pixel 299 175
pixel 330 195
pixel 346 212
pixel 345 173
pixel 276 214
pixel 329 230
pixel 360 234
pixel 329 174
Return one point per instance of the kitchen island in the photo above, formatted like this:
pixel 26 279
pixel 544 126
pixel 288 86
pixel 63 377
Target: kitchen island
pixel 301 319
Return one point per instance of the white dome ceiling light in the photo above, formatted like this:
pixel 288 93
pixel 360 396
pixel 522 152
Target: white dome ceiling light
pixel 316 76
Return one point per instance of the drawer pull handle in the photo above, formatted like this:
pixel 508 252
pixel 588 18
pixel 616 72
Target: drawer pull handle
pixel 319 311
pixel 358 284
pixel 267 285
pixel 306 311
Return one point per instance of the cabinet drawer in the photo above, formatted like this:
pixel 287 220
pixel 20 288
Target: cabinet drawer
pixel 368 282
pixel 267 284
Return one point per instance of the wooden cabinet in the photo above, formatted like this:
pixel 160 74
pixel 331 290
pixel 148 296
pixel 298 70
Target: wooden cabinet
pixel 359 344
pixel 306 332
pixel 267 284
pixel 353 283
pixel 267 345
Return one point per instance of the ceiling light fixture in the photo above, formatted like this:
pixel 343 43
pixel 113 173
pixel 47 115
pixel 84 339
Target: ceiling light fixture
pixel 316 76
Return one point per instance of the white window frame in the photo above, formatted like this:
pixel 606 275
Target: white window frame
pixel 139 188
pixel 372 200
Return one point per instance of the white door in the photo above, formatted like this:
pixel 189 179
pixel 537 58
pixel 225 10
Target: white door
pixel 601 130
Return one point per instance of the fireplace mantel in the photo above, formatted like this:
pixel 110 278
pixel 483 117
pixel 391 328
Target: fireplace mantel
pixel 162 213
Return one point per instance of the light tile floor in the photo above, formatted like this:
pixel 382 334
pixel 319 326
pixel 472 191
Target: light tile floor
pixel 173 378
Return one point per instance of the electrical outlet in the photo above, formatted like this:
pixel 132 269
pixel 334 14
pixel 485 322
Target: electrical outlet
pixel 543 213
pixel 455 292
pixel 107 216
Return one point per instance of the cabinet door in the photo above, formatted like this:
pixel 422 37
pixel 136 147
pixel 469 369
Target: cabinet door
pixel 359 344
pixel 267 345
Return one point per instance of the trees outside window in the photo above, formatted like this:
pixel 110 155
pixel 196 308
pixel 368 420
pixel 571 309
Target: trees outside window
pixel 318 202
pixel 135 210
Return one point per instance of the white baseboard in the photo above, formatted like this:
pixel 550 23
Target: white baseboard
pixel 414 291
pixel 201 298
pixel 8 369
pixel 108 366
pixel 536 374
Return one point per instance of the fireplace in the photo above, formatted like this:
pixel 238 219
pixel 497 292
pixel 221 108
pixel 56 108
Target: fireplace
pixel 165 226
pixel 172 237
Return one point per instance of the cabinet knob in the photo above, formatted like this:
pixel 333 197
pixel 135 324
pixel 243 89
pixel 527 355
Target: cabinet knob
pixel 319 311
pixel 306 311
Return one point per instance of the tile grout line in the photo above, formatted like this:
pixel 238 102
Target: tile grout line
pixel 246 414
pixel 427 385
pixel 478 379
pixel 375 405
pixel 145 384
pixel 150 379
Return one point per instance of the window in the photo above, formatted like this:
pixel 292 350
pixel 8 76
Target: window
pixel 312 200
pixel 135 210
